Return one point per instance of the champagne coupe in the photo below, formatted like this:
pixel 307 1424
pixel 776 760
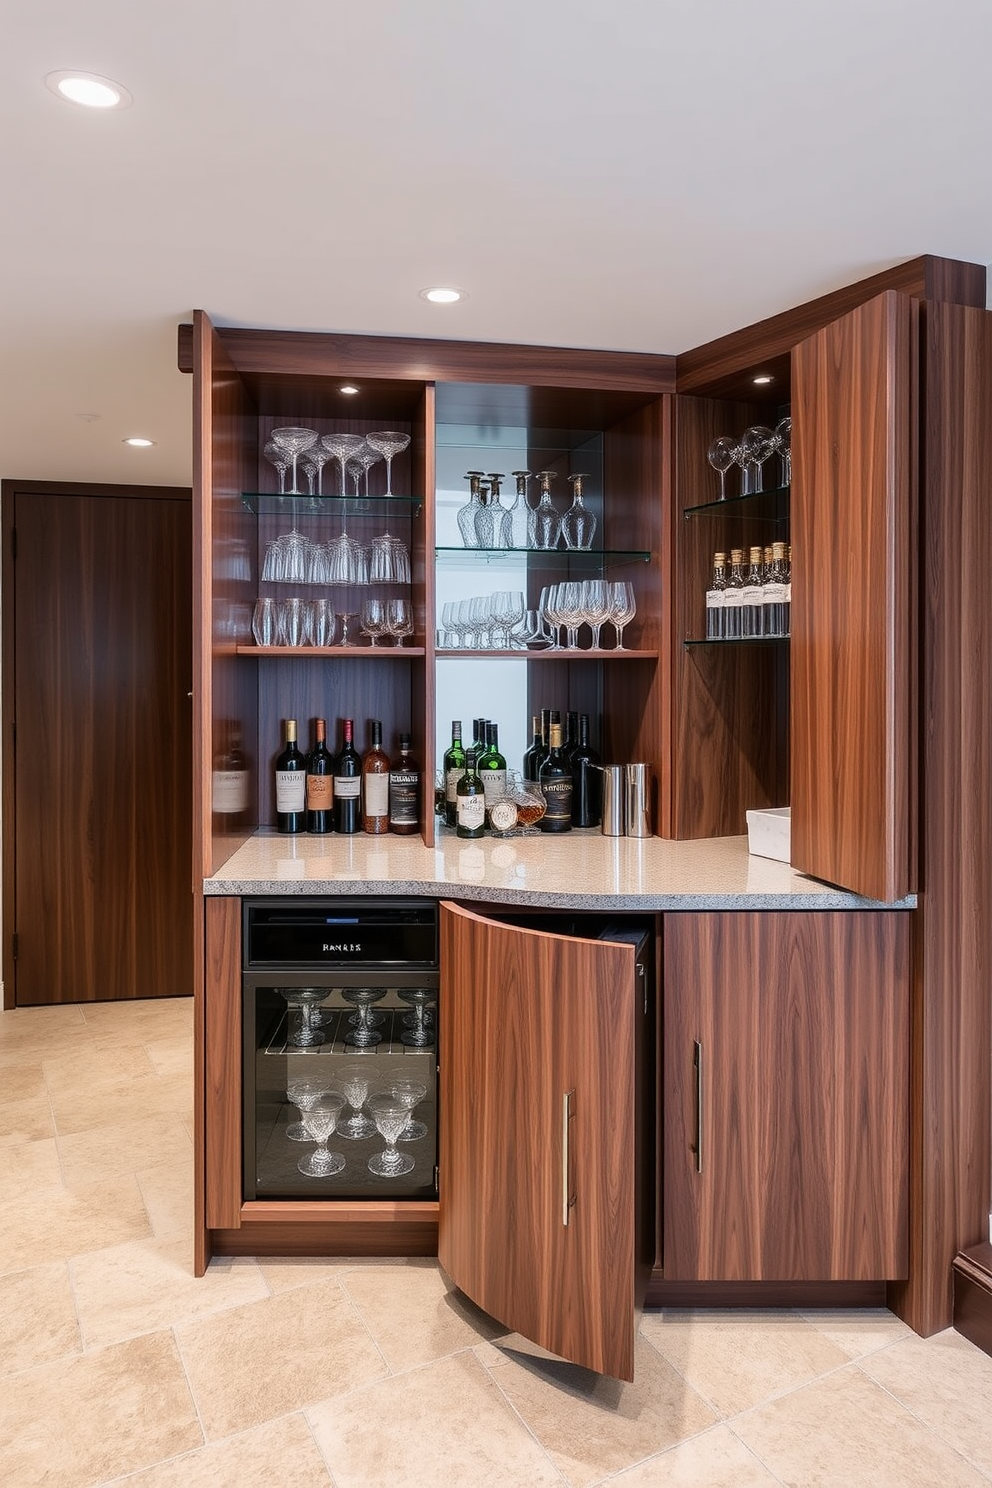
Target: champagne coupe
pixel 374 619
pixel 304 1094
pixel 353 1078
pixel 783 444
pixel 409 1093
pixel 279 459
pixel 419 998
pixel 388 443
pixel 304 1000
pixel 721 454
pixel 547 522
pixel 364 1035
pixel 757 444
pixel 399 620
pixel 578 525
pixel 293 441
pixel 319 1122
pixel 314 461
pixel 390 1117
pixel 622 608
pixel 343 447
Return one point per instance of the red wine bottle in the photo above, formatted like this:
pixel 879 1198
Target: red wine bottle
pixel 291 784
pixel 320 783
pixel 348 784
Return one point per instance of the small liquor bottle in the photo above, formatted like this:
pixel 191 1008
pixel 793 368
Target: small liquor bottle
pixel 773 593
pixel 375 785
pixel 733 599
pixel 753 606
pixel 320 783
pixel 348 784
pixel 291 784
pixel 471 801
pixel 404 792
pixel 453 766
pixel 787 601
pixel 556 787
pixel 531 755
pixel 715 594
pixel 587 780
pixel 492 768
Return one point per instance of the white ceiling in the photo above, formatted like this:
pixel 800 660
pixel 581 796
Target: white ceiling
pixel 639 175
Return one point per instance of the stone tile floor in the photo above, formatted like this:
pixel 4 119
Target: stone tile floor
pixel 119 1367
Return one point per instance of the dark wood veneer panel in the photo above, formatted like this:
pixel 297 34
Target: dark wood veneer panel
pixel 973 1295
pixel 853 647
pixel 222 1063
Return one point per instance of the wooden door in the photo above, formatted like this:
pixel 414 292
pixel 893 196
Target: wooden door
pixel 538 1095
pixel 853 648
pixel 98 783
pixel 786 1106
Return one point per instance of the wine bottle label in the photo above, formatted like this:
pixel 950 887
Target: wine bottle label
pixel 714 599
pixel 291 790
pixel 773 594
pixel 230 792
pixel 493 784
pixel 320 792
pixel 451 784
pixel 558 794
pixel 753 594
pixel 376 795
pixel 787 593
pixel 471 811
pixel 347 787
pixel 404 790
pixel 733 599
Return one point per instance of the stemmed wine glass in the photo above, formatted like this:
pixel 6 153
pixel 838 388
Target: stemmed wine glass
pixel 364 1035
pixel 409 1093
pixel 390 1117
pixel 314 460
pixel 570 606
pixel 293 441
pixel 721 454
pixel 419 998
pixel 319 1122
pixel 388 443
pixel 399 620
pixel 595 607
pixel 374 619
pixel 304 1094
pixel 307 1035
pixel 782 439
pixel 757 444
pixel 622 608
pixel 354 1078
pixel 279 459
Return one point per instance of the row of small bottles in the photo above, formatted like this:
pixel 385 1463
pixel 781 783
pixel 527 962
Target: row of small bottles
pixel 564 771
pixel 321 792
pixel 754 599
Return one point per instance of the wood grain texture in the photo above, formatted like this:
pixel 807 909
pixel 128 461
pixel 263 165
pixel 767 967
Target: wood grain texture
pixel 730 705
pixel 526 1016
pixel 97 676
pixel 332 1229
pixel 723 368
pixel 973 1295
pixel 424 587
pixel 222 1064
pixel 801 1294
pixel 853 648
pixel 804 1025
pixel 952 1079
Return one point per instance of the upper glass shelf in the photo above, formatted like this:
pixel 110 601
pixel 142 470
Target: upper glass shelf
pixel 772 505
pixel 258 502
pixel 451 557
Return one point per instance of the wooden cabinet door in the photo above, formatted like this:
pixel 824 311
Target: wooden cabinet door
pixel 853 649
pixel 786 1107
pixel 538 1096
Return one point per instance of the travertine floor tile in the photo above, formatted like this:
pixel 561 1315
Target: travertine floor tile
pixel 172 1055
pixel 859 1331
pixel 947 1382
pixel 82 1420
pixel 124 1146
pixel 23 1082
pixel 167 1190
pixel 280 1454
pixel 301 1347
pixel 36 1026
pixel 29 1165
pixel 149 1284
pixel 37 1318
pixel 119 1099
pixel 717 1459
pixel 54 1224
pixel 591 1425
pixel 139 1014
pixel 737 1359
pixel 445 1423
pixel 24 1120
pixel 414 1315
pixel 283 1273
pixel 846 1432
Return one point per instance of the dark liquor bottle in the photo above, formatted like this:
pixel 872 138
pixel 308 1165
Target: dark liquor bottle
pixel 715 617
pixel 556 787
pixel 348 784
pixel 291 784
pixel 404 792
pixel 478 738
pixel 453 766
pixel 548 717
pixel 733 599
pixel 375 785
pixel 320 783
pixel 587 780
pixel 492 768
pixel 571 735
pixel 753 608
pixel 531 755
pixel 471 801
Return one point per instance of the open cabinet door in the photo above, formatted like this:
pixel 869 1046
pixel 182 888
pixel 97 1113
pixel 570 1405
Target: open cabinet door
pixel 853 648
pixel 538 1050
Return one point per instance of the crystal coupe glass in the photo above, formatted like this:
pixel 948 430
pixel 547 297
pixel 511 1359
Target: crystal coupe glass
pixel 292 441
pixel 420 999
pixel 304 1094
pixel 354 1078
pixel 388 443
pixel 390 1116
pixel 409 1093
pixel 320 1121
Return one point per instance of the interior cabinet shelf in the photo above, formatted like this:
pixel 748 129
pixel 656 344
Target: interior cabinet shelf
pixel 586 557
pixel 769 506
pixel 548 654
pixel 738 641
pixel 367 653
pixel 305 505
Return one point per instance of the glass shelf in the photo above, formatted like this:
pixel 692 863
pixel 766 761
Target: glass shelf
pixel 550 653
pixel 772 506
pixel 593 557
pixel 384 653
pixel 739 641
pixel 304 505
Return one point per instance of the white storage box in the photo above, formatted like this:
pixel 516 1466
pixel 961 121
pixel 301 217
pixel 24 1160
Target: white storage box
pixel 769 833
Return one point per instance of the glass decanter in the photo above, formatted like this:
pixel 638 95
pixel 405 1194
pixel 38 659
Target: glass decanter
pixel 547 522
pixel 521 514
pixel 492 520
pixel 578 525
pixel 467 514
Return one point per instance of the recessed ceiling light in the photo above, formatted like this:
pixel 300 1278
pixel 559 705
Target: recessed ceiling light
pixel 441 296
pixel 89 89
pixel 758 381
pixel 349 390
pixel 136 442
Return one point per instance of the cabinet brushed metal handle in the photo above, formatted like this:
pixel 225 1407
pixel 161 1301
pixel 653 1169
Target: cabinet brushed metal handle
pixel 567 1197
pixel 697 1064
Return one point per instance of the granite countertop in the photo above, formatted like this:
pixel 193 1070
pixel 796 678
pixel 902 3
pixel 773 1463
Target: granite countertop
pixel 582 870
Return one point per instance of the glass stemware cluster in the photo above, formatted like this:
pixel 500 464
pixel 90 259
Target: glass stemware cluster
pixel 751 451
pixel 485 622
pixel 570 605
pixel 385 1107
pixel 484 522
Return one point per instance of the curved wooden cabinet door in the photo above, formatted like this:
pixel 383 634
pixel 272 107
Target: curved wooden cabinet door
pixel 526 1018
pixel 853 649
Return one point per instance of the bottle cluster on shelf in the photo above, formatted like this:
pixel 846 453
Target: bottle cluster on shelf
pixel 321 792
pixel 484 522
pixel 754 599
pixel 559 785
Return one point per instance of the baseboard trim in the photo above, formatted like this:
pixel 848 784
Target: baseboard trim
pixel 662 1293
pixel 973 1295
